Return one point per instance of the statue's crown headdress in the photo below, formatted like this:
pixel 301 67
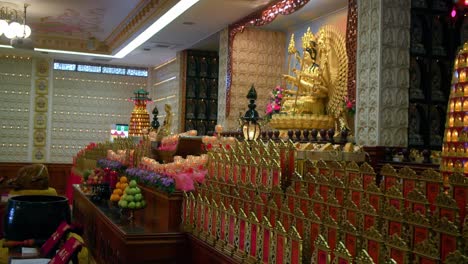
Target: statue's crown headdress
pixel 307 38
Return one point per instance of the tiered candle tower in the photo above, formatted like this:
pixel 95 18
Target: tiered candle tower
pixel 455 147
pixel 139 119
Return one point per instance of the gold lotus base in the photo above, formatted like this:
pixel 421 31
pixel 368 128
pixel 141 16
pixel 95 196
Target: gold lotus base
pixel 304 121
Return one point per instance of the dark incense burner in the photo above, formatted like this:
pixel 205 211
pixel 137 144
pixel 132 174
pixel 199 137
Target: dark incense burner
pixel 35 216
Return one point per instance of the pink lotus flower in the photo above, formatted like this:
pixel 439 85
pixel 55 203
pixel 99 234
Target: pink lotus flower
pixel 280 96
pixel 277 107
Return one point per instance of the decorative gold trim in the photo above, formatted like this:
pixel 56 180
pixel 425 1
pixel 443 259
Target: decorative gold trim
pixel 342 252
pixel 394 192
pixel 417 218
pixel 312 216
pixel 280 228
pixel 417 196
pixel 427 248
pixel 320 164
pixel 445 226
pixel 373 234
pixel 321 243
pixel 456 257
pixel 366 169
pixel 352 166
pixel 364 258
pixel 336 182
pixel 291 191
pixel 309 178
pixel 294 234
pixel 356 184
pixel 331 198
pixel 348 204
pixel 390 212
pixel 388 170
pixel 407 173
pixel 458 179
pixel 328 221
pixel 347 227
pixel 335 165
pixel 444 200
pixel 373 189
pixel 316 197
pixel 431 175
pixel 397 242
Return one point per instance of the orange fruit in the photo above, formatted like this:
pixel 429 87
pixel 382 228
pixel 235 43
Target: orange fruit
pixel 118 192
pixel 123 179
pixel 114 198
pixel 123 186
pixel 118 185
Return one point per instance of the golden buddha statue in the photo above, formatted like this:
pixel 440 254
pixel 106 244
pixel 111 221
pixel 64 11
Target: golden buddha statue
pixel 318 87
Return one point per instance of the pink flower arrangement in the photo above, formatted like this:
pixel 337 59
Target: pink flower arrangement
pixel 350 105
pixel 274 106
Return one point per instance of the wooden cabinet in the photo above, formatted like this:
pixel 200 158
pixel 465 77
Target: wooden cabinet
pixel 435 38
pixel 153 237
pixel 201 91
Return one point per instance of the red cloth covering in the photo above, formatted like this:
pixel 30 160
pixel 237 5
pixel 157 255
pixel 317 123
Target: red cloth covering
pixel 74 179
pixel 71 247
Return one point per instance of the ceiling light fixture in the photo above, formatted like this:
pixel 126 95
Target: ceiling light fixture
pixel 12 22
pixel 159 24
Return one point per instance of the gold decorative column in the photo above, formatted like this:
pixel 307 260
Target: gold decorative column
pixel 455 146
pixel 40 110
pixel 139 120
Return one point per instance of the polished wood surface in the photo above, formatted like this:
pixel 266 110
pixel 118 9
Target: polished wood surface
pixel 58 173
pixel 113 239
pixel 203 253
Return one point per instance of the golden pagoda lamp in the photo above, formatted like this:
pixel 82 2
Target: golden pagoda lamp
pixel 250 127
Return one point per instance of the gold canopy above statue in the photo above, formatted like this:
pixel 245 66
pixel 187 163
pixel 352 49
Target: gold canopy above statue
pixel 317 88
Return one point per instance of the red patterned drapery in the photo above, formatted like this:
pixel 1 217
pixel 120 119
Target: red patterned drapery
pixel 258 18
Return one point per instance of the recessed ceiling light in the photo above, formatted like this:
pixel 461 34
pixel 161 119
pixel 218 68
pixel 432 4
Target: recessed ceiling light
pixel 188 23
pixel 159 24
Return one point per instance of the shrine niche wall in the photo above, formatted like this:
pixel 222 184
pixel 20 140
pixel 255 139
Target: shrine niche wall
pixel 80 108
pixel 258 59
pixel 84 107
pixel 164 88
pixel 15 87
pixel 383 73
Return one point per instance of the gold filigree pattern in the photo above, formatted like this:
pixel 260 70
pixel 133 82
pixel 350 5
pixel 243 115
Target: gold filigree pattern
pixel 417 218
pixel 388 170
pixel 367 208
pixel 373 234
pixel 366 169
pixel 356 184
pixel 456 257
pixel 445 226
pixel 417 196
pixel 427 248
pixel 373 188
pixel 407 173
pixel 444 200
pixel 397 242
pixel 364 258
pixel 431 175
pixel 342 252
pixel 458 179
